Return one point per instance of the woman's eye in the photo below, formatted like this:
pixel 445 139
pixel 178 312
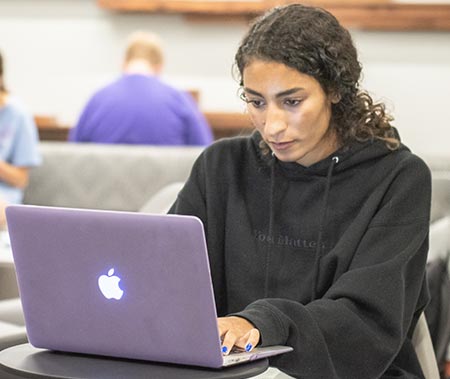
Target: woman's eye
pixel 255 103
pixel 292 102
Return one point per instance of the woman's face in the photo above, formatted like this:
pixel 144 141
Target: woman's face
pixel 290 110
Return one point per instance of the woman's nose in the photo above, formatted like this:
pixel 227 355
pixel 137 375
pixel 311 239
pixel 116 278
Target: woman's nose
pixel 275 121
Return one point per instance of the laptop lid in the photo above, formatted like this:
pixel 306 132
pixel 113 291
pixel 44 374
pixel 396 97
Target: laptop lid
pixel 115 283
pixel 122 284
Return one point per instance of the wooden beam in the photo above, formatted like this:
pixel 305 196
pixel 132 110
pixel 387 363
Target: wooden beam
pixel 393 16
pixel 194 7
pixel 362 14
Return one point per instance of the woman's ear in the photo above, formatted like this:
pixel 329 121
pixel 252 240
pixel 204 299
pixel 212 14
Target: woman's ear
pixel 335 98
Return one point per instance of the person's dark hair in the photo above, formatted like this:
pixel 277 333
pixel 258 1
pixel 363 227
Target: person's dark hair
pixel 2 85
pixel 313 42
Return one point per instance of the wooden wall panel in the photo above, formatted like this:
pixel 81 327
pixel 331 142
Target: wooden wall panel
pixel 361 14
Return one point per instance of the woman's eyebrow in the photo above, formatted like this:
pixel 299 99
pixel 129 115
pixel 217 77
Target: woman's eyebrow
pixel 252 92
pixel 280 94
pixel 289 91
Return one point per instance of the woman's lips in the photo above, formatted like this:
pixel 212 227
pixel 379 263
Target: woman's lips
pixel 280 146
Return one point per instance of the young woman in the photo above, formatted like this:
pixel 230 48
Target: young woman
pixel 317 224
pixel 18 148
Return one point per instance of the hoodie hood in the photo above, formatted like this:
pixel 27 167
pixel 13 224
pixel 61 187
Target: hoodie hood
pixel 348 157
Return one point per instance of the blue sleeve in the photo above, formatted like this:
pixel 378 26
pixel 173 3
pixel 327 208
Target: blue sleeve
pixel 25 152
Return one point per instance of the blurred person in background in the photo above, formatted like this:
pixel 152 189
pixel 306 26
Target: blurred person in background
pixel 139 108
pixel 18 147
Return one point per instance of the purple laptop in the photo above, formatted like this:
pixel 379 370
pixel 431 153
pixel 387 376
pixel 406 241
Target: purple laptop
pixel 119 284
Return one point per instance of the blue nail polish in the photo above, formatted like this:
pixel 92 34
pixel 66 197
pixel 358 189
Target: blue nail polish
pixel 248 347
pixel 224 349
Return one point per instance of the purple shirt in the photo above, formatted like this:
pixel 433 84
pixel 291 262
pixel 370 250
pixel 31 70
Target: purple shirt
pixel 141 109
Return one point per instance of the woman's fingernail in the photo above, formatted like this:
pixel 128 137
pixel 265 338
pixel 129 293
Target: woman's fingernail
pixel 248 347
pixel 224 349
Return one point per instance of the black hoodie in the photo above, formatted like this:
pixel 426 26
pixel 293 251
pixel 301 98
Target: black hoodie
pixel 329 259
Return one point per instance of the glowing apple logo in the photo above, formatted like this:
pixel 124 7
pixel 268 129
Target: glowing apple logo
pixel 109 285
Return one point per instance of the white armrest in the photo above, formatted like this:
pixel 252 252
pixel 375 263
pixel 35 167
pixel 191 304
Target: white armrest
pixel 424 349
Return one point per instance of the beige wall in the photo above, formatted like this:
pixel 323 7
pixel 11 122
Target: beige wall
pixel 59 51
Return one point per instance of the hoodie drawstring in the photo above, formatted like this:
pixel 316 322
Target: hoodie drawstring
pixel 271 216
pixel 318 255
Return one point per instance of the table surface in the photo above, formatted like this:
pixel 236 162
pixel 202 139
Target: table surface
pixel 29 362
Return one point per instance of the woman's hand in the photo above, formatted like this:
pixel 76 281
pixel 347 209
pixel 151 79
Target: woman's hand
pixel 237 332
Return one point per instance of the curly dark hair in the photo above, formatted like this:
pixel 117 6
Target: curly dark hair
pixel 312 41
